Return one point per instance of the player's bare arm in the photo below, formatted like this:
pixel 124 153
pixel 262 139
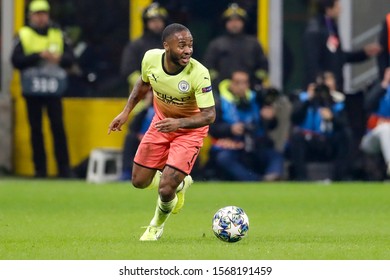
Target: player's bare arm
pixel 139 91
pixel 205 117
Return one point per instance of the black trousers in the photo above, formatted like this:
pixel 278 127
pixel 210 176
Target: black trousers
pixel 53 106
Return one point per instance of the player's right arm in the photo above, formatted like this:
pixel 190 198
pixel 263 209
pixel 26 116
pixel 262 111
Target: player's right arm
pixel 138 93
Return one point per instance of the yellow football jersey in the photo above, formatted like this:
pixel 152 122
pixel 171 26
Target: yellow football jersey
pixel 177 95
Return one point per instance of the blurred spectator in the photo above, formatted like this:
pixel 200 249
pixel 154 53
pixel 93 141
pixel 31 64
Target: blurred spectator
pixel 137 128
pixel 319 129
pixel 155 19
pixel 41 54
pixel 383 58
pixel 83 75
pixel 241 148
pixel 282 106
pixel 236 50
pixel 377 104
pixel 322 43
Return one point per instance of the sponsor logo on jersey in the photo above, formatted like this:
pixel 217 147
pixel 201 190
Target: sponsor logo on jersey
pixel 168 99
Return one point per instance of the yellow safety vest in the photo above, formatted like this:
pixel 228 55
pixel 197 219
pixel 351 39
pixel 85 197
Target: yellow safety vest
pixel 32 42
pixel 45 79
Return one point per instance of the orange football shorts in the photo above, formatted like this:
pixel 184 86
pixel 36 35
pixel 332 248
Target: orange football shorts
pixel 178 149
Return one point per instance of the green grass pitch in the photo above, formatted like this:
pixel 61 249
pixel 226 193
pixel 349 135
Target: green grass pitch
pixel 74 220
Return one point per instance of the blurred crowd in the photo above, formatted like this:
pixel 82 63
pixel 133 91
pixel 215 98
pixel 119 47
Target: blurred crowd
pixel 261 132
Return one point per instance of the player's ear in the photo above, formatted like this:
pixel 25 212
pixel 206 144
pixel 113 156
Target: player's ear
pixel 166 46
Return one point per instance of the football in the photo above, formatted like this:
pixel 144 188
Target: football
pixel 230 224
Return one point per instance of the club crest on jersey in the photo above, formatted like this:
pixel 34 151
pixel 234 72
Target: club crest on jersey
pixel 184 86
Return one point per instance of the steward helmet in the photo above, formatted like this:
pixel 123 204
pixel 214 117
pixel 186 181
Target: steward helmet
pixel 234 10
pixel 154 10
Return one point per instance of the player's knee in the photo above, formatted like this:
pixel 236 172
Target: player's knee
pixel 166 192
pixel 138 182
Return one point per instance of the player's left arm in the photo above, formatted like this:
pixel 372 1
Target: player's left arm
pixel 205 117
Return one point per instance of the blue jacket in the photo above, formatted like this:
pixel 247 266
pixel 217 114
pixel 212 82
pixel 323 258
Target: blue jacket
pixel 230 111
pixel 307 117
pixel 384 105
pixel 377 105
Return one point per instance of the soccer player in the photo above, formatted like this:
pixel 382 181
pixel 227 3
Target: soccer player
pixel 184 106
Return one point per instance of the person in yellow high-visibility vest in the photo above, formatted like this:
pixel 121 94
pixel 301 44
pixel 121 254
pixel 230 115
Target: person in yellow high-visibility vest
pixel 42 55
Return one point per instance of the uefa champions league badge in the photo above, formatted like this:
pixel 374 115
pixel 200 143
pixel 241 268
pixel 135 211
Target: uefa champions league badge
pixel 184 86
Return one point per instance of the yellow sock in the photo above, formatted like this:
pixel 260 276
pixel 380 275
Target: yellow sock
pixel 163 211
pixel 156 181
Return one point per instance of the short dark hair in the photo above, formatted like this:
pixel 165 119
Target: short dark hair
pixel 172 29
pixel 325 4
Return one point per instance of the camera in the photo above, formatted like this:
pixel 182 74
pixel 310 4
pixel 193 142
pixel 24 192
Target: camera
pixel 322 96
pixel 268 96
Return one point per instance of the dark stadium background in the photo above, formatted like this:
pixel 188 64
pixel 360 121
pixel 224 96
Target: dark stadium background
pixel 104 26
